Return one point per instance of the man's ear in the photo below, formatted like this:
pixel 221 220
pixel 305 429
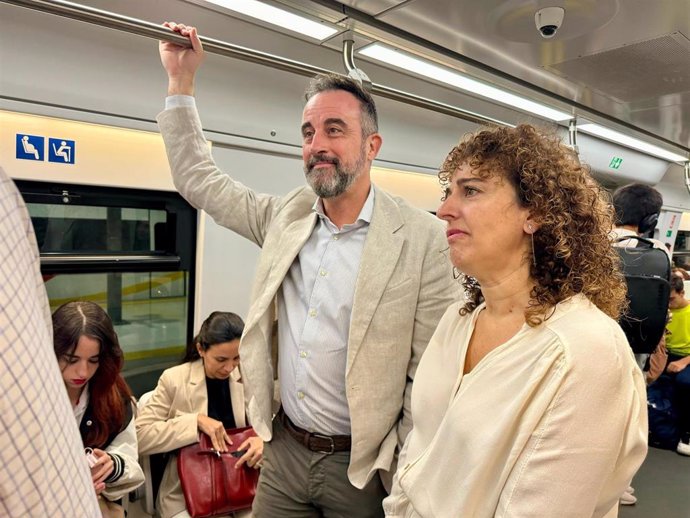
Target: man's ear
pixel 374 143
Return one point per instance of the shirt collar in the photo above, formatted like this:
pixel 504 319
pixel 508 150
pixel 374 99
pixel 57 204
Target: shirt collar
pixel 365 214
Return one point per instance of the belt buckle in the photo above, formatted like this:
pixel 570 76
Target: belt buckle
pixel 332 448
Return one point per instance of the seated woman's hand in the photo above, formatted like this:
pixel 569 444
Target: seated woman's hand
pixel 215 430
pixel 101 470
pixel 254 454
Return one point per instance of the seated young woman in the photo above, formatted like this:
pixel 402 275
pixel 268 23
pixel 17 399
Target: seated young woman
pixel 203 394
pixel 527 400
pixel 90 358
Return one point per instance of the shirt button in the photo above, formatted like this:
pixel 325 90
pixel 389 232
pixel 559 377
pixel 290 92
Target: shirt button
pixel 300 395
pixel 303 354
pixel 323 273
pixel 312 312
pixel 336 237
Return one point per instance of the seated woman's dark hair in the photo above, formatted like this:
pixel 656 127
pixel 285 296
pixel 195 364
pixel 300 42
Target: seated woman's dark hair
pixel 218 328
pixel 108 390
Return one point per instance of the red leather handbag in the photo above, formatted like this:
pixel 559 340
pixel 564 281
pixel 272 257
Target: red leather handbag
pixel 210 483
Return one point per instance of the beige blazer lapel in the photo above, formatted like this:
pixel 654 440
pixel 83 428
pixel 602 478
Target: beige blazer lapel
pixel 198 396
pixel 291 242
pixel 380 255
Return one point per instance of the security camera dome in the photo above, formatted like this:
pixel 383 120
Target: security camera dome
pixel 548 20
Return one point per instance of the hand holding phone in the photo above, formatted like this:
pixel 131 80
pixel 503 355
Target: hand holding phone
pixel 90 457
pixel 238 453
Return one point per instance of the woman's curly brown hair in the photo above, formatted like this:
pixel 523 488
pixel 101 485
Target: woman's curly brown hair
pixel 572 247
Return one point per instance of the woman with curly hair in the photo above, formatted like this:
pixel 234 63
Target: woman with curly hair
pixel 90 358
pixel 527 401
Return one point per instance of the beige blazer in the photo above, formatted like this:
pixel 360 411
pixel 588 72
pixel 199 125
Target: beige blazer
pixel 402 290
pixel 168 422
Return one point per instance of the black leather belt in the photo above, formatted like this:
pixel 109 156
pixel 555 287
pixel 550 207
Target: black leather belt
pixel 315 441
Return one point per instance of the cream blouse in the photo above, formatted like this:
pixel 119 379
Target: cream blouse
pixel 551 423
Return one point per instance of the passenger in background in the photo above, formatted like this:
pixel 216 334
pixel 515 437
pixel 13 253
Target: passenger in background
pixel 678 345
pixel 90 358
pixel 358 281
pixel 680 272
pixel 527 401
pixel 637 207
pixel 43 471
pixel 203 394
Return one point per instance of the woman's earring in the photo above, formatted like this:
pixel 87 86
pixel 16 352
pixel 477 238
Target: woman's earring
pixel 456 273
pixel 534 257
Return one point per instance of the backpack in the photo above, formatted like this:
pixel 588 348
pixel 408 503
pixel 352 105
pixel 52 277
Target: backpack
pixel 647 272
pixel 664 432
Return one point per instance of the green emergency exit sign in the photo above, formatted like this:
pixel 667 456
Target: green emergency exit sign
pixel 616 162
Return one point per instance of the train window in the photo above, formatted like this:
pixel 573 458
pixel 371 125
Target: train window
pixel 130 251
pixel 80 228
pixel 681 250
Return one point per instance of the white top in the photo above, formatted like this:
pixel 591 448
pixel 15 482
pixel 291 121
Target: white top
pixel 551 423
pixel 42 467
pixel 124 445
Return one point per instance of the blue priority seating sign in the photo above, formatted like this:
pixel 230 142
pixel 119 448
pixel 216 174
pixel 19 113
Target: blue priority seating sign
pixel 61 151
pixel 30 147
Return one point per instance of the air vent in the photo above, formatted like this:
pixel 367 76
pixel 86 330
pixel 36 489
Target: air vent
pixel 634 72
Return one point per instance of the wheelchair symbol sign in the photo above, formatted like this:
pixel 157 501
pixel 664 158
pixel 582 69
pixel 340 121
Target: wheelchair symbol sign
pixel 61 150
pixel 30 147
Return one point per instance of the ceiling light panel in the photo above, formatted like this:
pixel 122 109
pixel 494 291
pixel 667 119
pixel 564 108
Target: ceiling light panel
pixel 425 68
pixel 625 140
pixel 280 17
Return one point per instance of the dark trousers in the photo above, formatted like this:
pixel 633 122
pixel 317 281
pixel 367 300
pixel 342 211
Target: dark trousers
pixel 298 483
pixel 681 382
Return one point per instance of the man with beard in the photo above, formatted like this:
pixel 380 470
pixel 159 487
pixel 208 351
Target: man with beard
pixel 360 283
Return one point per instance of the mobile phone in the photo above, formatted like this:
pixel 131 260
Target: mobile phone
pixel 90 457
pixel 238 453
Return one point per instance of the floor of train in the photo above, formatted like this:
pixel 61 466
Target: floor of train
pixel 662 488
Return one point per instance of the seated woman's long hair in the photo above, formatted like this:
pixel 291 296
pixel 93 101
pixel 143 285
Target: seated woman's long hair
pixel 108 390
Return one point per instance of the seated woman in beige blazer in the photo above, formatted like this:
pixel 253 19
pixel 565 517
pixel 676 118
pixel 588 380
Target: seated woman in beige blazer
pixel 203 394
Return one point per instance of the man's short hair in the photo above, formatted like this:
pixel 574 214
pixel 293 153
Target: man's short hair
pixel 677 284
pixel 634 202
pixel 334 82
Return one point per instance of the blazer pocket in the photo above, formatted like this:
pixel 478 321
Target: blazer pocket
pixel 398 292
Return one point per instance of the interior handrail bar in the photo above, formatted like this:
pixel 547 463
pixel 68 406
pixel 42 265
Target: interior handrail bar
pixel 158 32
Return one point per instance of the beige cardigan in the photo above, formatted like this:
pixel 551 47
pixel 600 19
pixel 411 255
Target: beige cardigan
pixel 168 422
pixel 551 423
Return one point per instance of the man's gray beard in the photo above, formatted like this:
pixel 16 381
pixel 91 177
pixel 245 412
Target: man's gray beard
pixel 327 185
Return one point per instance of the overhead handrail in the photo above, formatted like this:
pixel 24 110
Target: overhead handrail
pixel 158 32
